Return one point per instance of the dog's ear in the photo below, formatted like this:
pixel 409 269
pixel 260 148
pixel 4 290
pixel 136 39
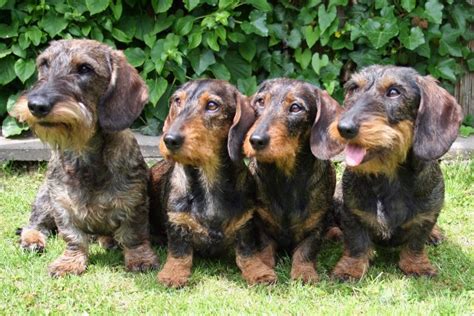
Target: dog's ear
pixel 243 120
pixel 437 122
pixel 125 97
pixel 322 145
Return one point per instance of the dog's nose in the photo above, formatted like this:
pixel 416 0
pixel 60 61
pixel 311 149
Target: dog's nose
pixel 39 105
pixel 173 141
pixel 259 142
pixel 348 129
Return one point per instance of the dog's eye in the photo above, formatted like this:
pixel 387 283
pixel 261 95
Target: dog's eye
pixel 259 102
pixel 295 108
pixel 44 64
pixel 84 69
pixel 393 93
pixel 177 101
pixel 212 106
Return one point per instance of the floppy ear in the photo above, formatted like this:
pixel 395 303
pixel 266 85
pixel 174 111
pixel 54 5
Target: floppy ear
pixel 437 122
pixel 243 120
pixel 125 97
pixel 322 145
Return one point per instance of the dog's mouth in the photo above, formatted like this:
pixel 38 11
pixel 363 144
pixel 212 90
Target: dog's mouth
pixel 354 154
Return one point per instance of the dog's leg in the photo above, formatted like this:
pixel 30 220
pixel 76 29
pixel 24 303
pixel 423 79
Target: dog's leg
pixel 74 258
pixel 413 257
pixel 303 261
pixel 133 235
pixel 41 223
pixel 256 266
pixel 177 269
pixel 354 263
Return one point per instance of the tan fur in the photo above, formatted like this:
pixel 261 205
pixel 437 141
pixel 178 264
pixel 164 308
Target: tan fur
pixel 141 258
pixel 412 263
pixel 300 229
pixel 186 220
pixel 352 268
pixel 237 223
pixel 32 239
pixel 71 262
pixel 176 271
pixel 267 217
pixel 302 269
pixel 68 126
pixel 421 219
pixel 255 271
pixel 376 134
pixel 282 149
pixel 267 255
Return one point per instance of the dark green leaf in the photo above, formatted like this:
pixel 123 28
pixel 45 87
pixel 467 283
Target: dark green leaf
pixel 408 5
pixel 220 71
pixel 117 9
pixel 434 11
pixel 8 70
pixel 24 69
pixel 247 86
pixel 294 40
pixel 156 89
pixel 8 31
pixel 237 66
pixel 161 5
pixel 412 38
pixel 325 18
pixel 34 34
pixel 311 35
pixel 248 50
pixel 191 4
pixel 303 57
pixel 4 51
pixel 120 36
pixel 97 6
pixel 135 56
pixel 184 25
pixel 470 64
pixel 211 40
pixel 53 24
pixel 10 127
pixel 262 5
pixel 257 24
pixel 379 31
pixel 446 69
pixel 194 40
pixel 319 62
pixel 201 61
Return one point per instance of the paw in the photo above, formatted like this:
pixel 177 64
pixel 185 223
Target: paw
pixel 141 258
pixel 32 240
pixel 255 271
pixel 107 242
pixel 436 236
pixel 350 269
pixel 305 273
pixel 67 264
pixel 416 264
pixel 174 280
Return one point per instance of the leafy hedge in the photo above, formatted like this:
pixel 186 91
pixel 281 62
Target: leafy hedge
pixel 245 42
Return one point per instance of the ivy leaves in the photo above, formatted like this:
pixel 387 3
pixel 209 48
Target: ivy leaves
pixel 243 41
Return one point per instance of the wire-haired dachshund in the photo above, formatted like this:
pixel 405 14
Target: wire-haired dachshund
pixel 86 96
pixel 206 199
pixel 289 147
pixel 395 126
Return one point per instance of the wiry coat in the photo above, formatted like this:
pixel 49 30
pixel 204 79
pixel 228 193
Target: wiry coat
pixel 395 127
pixel 85 98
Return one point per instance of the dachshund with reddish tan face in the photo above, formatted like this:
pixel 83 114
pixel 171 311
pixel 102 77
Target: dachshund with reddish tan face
pixel 206 199
pixel 395 126
pixel 85 98
pixel 289 147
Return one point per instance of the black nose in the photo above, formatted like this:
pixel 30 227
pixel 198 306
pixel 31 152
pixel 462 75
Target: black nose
pixel 173 141
pixel 348 129
pixel 259 142
pixel 39 105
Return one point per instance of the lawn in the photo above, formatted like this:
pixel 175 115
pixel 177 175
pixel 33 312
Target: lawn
pixel 216 286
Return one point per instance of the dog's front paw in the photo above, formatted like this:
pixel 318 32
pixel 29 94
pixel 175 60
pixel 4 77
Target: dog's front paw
pixel 350 269
pixel 176 272
pixel 416 264
pixel 255 271
pixel 71 262
pixel 436 236
pixel 304 272
pixel 141 258
pixel 32 240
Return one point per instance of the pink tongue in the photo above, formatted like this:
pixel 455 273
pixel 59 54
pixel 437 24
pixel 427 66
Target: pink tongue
pixel 354 155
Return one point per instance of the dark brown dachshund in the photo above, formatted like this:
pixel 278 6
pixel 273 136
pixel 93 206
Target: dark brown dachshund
pixel 85 98
pixel 206 199
pixel 395 126
pixel 295 188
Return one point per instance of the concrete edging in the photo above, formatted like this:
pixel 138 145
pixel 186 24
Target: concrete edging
pixel 32 149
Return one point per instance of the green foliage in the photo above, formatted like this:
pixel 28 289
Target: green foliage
pixel 244 41
pixel 467 127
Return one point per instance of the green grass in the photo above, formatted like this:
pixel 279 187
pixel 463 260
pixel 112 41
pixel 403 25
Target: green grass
pixel 216 286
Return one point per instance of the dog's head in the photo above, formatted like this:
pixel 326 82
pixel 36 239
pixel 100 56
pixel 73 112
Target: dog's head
pixel 196 131
pixel 289 114
pixel 388 111
pixel 82 86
